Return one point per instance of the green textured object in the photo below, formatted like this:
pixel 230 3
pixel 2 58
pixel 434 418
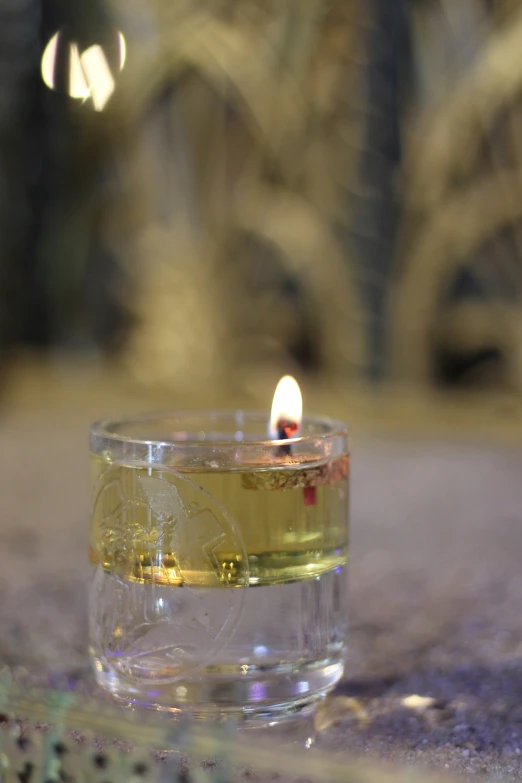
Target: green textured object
pixel 50 736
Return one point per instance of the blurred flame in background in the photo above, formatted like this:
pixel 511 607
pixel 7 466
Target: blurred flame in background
pixel 89 72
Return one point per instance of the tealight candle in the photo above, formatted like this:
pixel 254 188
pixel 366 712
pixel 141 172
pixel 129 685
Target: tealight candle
pixel 255 531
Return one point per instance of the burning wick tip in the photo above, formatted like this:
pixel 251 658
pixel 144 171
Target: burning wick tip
pixel 286 429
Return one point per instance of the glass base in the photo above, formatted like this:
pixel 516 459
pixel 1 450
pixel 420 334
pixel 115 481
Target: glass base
pixel 260 698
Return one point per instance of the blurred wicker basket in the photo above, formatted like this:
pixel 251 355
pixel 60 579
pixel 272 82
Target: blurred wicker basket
pixel 462 208
pixel 233 118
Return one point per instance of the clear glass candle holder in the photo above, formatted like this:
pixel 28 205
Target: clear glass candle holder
pixel 219 563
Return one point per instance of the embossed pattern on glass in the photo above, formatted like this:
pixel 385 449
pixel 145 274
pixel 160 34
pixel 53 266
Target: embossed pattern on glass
pixel 219 571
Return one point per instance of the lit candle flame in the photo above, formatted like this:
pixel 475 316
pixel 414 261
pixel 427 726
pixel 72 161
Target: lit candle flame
pixel 287 407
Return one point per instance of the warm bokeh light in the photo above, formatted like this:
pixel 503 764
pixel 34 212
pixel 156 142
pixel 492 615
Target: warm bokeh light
pixel 49 60
pixel 123 50
pixel 78 87
pixel 287 405
pixel 98 74
pixel 89 76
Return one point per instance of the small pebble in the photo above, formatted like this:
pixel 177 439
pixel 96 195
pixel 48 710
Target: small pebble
pixel 419 703
pixel 335 709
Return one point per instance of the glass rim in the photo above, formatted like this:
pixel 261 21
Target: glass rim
pixel 105 428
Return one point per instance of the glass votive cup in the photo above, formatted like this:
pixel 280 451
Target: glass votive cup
pixel 219 582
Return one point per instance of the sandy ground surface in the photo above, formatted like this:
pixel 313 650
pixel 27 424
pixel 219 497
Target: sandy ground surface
pixel 436 581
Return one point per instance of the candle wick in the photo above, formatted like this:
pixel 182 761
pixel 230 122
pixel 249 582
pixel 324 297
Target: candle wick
pixel 286 429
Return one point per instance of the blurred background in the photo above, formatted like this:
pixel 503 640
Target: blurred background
pixel 197 197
